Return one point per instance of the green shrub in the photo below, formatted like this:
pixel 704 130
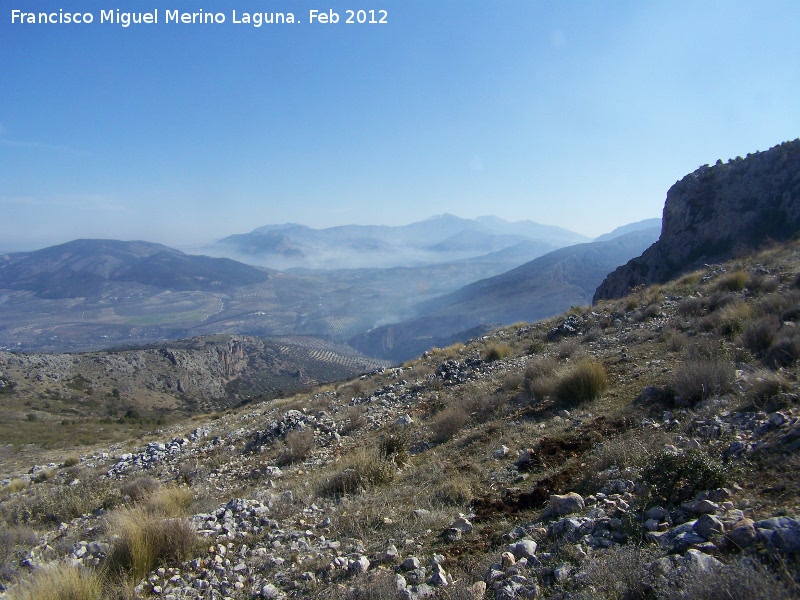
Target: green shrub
pixel 584 381
pixel 60 581
pixel 673 478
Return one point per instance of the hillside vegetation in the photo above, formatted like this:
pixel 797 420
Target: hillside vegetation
pixel 645 447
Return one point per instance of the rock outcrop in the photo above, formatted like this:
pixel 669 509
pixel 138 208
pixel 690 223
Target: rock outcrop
pixel 715 212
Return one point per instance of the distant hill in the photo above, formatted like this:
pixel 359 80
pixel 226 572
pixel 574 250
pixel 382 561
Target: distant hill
pixel 716 212
pixel 629 228
pixel 84 267
pixel 95 294
pixel 540 288
pixel 443 238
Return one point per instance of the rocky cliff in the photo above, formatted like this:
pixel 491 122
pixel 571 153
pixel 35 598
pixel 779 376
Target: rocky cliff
pixel 716 212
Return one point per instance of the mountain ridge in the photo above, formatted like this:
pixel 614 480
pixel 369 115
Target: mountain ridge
pixel 716 211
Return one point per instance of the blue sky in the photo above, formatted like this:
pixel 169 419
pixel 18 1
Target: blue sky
pixel 579 114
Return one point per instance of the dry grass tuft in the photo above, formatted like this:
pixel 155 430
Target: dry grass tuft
pixel 298 446
pixel 497 352
pixel 60 581
pixel 732 282
pixel 584 381
pixel 363 469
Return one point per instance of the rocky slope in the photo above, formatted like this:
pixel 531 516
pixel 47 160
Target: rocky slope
pixel 473 472
pixel 716 212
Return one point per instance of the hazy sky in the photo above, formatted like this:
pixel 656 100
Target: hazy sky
pixel 579 114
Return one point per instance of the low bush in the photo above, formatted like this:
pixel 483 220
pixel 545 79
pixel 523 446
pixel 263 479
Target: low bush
pixel 298 446
pixel 170 502
pixel 701 379
pixel 759 334
pixel 537 379
pixel 734 316
pixel 393 447
pixel 353 419
pixel 448 423
pixel 767 385
pixel 743 579
pixel 691 307
pixel 784 351
pixel 15 485
pixel 140 488
pixel 621 573
pixel 584 381
pixel 71 461
pixel 674 478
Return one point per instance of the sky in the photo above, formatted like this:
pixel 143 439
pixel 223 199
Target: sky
pixel 577 114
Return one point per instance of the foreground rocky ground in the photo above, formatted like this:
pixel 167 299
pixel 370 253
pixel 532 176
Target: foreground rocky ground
pixel 646 447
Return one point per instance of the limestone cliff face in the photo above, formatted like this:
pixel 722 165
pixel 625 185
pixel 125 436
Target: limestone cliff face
pixel 715 212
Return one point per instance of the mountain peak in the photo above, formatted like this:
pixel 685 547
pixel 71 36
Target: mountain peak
pixel 717 211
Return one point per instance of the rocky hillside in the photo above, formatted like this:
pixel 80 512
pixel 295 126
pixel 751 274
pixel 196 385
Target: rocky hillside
pixel 46 397
pixel 645 447
pixel 716 212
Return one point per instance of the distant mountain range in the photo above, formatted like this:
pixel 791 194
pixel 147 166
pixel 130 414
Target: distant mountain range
pixel 85 267
pixel 93 294
pixel 442 238
pixel 540 288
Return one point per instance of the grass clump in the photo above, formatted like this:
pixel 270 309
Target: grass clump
pixel 71 461
pixel 759 335
pixel 706 371
pixel 742 579
pixel 447 423
pixel 497 352
pixel 784 351
pixel 60 581
pixel 152 533
pixel 363 469
pixel 733 282
pixel 537 379
pixel 15 485
pixel 585 380
pixel 144 540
